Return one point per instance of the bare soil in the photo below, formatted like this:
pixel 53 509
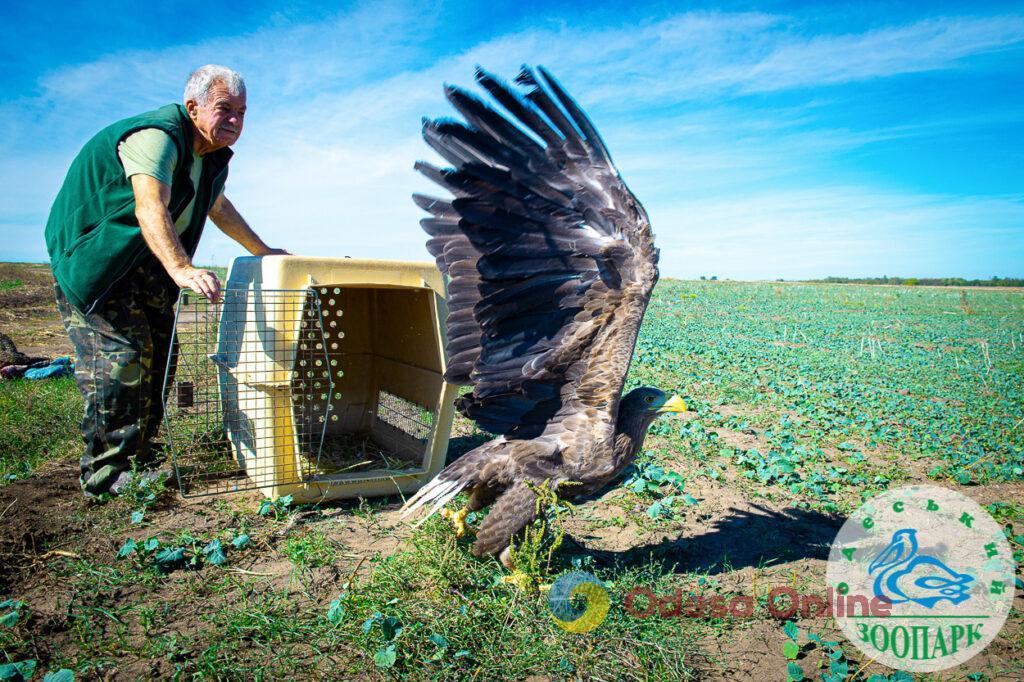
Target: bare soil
pixel 28 313
pixel 745 547
pixel 740 538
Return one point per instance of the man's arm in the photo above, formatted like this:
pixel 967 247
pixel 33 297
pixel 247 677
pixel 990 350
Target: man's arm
pixel 229 220
pixel 151 200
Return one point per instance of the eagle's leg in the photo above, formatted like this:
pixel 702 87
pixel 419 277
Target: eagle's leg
pixel 506 558
pixel 512 513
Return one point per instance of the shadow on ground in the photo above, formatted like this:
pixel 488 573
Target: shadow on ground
pixel 460 445
pixel 755 536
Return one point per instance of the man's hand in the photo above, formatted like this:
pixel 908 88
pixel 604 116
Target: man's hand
pixel 273 252
pixel 200 281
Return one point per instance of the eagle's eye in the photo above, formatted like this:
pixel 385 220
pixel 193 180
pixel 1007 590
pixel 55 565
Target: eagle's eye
pixel 649 399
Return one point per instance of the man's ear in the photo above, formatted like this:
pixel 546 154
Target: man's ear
pixel 191 106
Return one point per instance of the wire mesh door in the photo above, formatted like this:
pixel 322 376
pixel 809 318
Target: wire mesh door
pixel 246 392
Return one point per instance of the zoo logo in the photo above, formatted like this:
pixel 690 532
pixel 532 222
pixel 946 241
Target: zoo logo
pixel 939 563
pixel 576 619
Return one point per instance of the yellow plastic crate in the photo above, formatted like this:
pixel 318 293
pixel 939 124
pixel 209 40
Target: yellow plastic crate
pixel 358 363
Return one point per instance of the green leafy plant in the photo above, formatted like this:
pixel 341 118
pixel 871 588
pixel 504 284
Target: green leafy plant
pixel 835 659
pixel 214 553
pixel 277 508
pixel 20 670
pixel 651 480
pixel 898 676
pixel 790 648
pixel 10 612
pixel 336 610
pixel 142 493
pixel 390 629
pixel 185 552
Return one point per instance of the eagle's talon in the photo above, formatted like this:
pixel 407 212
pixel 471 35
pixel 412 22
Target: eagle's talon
pixel 521 580
pixel 458 520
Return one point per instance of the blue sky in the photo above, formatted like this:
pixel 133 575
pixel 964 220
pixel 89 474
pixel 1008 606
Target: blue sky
pixel 765 139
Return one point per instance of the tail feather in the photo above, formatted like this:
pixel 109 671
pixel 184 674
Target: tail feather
pixel 441 501
pixel 459 475
pixel 427 494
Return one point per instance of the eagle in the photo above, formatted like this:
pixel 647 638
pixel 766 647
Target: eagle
pixel 550 264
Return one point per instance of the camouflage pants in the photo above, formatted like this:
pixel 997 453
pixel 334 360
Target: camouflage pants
pixel 123 349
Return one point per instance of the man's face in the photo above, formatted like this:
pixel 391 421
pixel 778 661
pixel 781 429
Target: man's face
pixel 219 120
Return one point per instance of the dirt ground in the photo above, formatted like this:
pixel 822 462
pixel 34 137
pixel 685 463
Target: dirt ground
pixel 28 313
pixel 734 537
pixel 45 524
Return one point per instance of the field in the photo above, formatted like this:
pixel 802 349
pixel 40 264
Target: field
pixel 803 400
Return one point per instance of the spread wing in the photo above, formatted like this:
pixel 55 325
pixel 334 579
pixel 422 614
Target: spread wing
pixel 551 258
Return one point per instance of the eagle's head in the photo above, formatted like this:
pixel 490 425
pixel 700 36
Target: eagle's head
pixel 651 403
pixel 638 409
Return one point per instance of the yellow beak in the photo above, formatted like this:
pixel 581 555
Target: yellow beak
pixel 673 404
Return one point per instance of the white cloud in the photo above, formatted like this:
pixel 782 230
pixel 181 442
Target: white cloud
pixel 921 46
pixel 325 165
pixel 840 230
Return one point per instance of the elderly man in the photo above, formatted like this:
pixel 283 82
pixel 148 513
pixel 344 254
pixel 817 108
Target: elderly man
pixel 121 236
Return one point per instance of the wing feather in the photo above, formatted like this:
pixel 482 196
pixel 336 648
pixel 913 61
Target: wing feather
pixel 550 259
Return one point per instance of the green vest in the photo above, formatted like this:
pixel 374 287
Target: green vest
pixel 92 234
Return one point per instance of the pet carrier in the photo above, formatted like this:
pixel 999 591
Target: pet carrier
pixel 319 378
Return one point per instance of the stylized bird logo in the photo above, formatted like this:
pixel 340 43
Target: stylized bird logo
pixel 901 570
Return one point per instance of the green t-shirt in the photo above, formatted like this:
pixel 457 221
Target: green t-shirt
pixel 151 152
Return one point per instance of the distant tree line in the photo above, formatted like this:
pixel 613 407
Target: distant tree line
pixel 927 281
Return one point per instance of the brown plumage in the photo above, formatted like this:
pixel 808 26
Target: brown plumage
pixel 551 263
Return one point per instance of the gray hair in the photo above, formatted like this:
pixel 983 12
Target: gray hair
pixel 199 83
